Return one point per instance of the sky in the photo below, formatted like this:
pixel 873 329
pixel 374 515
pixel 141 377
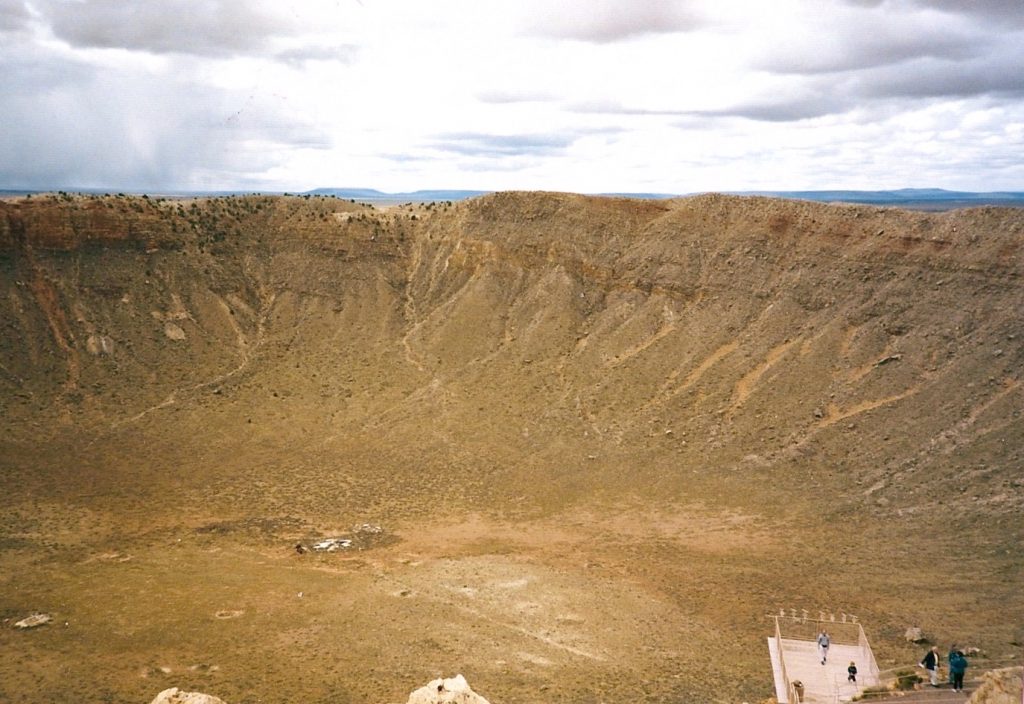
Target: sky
pixel 590 96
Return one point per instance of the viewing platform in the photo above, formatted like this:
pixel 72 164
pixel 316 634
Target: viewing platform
pixel 796 664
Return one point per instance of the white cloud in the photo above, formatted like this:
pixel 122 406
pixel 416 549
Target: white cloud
pixel 87 121
pixel 13 15
pixel 608 95
pixel 612 20
pixel 208 28
pixel 846 40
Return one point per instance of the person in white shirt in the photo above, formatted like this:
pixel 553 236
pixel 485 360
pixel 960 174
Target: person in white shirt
pixel 823 643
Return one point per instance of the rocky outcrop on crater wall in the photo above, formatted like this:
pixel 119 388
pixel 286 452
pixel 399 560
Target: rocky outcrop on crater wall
pixel 66 223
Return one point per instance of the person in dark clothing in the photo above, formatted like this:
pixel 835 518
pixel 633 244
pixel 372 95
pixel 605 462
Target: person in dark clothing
pixel 957 668
pixel 930 662
pixel 852 670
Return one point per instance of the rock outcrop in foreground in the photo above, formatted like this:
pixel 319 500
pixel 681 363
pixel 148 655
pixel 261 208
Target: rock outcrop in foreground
pixel 176 696
pixel 1000 687
pixel 451 690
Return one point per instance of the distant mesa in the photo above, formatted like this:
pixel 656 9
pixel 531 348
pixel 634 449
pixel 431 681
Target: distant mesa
pixel 913 198
pixel 371 195
pixel 909 198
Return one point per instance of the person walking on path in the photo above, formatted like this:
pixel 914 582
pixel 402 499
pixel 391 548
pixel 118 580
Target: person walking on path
pixel 852 670
pixel 823 643
pixel 957 668
pixel 930 662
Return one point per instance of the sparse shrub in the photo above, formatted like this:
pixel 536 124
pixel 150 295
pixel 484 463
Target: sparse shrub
pixel 872 693
pixel 907 680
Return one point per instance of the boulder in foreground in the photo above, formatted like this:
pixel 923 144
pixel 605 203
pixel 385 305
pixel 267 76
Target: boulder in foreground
pixel 1000 687
pixel 175 696
pixel 452 690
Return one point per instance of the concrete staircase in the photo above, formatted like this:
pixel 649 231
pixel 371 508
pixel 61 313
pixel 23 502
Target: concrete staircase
pixel 823 684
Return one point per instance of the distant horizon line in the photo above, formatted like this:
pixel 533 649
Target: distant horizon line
pixel 899 196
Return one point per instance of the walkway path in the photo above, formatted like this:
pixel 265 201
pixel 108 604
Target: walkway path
pixel 942 695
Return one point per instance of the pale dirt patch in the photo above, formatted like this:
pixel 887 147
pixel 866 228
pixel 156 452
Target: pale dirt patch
pixel 225 614
pixel 109 556
pixel 745 386
pixel 589 530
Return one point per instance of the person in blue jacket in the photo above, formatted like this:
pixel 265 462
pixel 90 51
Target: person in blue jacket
pixel 957 668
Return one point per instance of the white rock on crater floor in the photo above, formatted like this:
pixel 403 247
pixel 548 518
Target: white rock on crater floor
pixel 453 690
pixel 33 621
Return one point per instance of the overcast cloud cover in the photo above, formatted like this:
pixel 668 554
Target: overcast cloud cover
pixel 590 96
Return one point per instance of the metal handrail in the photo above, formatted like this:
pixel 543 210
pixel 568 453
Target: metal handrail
pixel 840 632
pixel 791 692
pixel 869 655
